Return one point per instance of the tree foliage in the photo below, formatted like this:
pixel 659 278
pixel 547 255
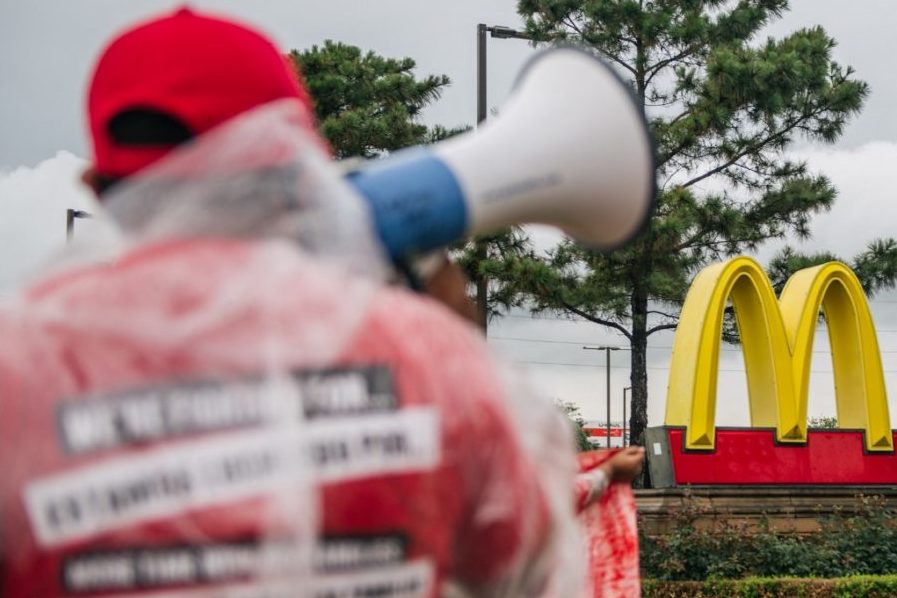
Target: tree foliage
pixel 822 422
pixel 367 104
pixel 724 106
pixel 577 423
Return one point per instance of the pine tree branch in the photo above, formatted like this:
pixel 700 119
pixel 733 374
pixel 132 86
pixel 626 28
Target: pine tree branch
pixel 659 66
pixel 572 24
pixel 751 149
pixel 596 320
pixel 662 160
pixel 616 59
pixel 749 169
pixel 660 327
pixel 693 241
pixel 678 117
pixel 660 313
pixel 604 52
pixel 661 104
pixel 666 182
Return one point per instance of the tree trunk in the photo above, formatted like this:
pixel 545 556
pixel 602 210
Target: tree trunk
pixel 638 420
pixel 638 370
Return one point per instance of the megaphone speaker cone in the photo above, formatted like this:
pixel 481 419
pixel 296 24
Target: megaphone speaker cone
pixel 571 148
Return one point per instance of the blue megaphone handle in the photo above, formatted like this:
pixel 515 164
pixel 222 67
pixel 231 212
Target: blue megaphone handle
pixel 416 202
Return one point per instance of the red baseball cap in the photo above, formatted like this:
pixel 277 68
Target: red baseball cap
pixel 197 69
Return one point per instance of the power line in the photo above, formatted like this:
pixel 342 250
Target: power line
pixel 583 320
pixel 553 318
pixel 650 348
pixel 651 367
pixel 583 365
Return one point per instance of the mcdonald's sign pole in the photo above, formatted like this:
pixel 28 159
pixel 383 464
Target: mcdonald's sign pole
pixel 607 349
pixel 624 413
pixel 777 343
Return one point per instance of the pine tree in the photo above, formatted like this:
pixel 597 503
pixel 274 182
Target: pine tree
pixel 724 106
pixel 366 104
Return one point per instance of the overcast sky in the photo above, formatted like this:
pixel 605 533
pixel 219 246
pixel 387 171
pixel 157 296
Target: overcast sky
pixel 47 48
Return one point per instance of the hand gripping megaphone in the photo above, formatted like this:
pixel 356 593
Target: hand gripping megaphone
pixel 571 149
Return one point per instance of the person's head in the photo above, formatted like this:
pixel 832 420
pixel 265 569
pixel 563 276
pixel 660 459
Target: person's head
pixel 168 80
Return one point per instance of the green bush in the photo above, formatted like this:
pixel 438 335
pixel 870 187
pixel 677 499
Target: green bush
pixel 846 587
pixel 857 541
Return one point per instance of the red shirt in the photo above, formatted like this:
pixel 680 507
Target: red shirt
pixel 140 455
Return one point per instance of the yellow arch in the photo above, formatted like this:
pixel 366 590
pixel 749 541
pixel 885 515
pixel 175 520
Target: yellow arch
pixel 777 342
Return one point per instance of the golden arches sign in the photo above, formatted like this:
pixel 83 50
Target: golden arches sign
pixel 777 342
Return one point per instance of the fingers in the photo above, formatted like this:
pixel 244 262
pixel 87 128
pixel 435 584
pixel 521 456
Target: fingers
pixel 627 464
pixel 448 284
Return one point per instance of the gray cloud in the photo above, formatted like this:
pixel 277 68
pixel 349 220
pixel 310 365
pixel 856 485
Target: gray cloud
pixel 47 49
pixel 34 203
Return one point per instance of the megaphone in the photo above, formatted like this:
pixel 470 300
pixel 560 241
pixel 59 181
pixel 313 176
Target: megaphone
pixel 571 148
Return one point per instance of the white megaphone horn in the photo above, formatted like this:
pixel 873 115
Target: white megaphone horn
pixel 571 148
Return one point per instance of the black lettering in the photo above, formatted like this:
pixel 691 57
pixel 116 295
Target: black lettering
pixel 100 572
pixel 89 424
pixel 329 452
pixel 248 466
pixel 139 492
pixel 388 444
pixel 167 567
pixel 63 512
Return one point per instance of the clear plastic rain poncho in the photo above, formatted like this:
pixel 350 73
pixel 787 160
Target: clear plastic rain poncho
pixel 222 398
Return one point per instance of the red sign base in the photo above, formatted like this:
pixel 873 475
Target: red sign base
pixel 751 456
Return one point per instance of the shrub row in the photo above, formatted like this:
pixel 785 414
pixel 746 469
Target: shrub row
pixel 860 541
pixel 846 587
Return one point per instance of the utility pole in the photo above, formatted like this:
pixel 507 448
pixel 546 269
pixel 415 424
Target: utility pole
pixel 607 349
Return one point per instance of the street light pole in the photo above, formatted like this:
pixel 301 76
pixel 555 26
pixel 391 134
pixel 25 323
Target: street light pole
pixel 482 283
pixel 70 216
pixel 481 72
pixel 624 413
pixel 607 349
pixel 499 32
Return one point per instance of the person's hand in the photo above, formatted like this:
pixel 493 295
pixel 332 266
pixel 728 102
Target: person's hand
pixel 625 465
pixel 447 283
